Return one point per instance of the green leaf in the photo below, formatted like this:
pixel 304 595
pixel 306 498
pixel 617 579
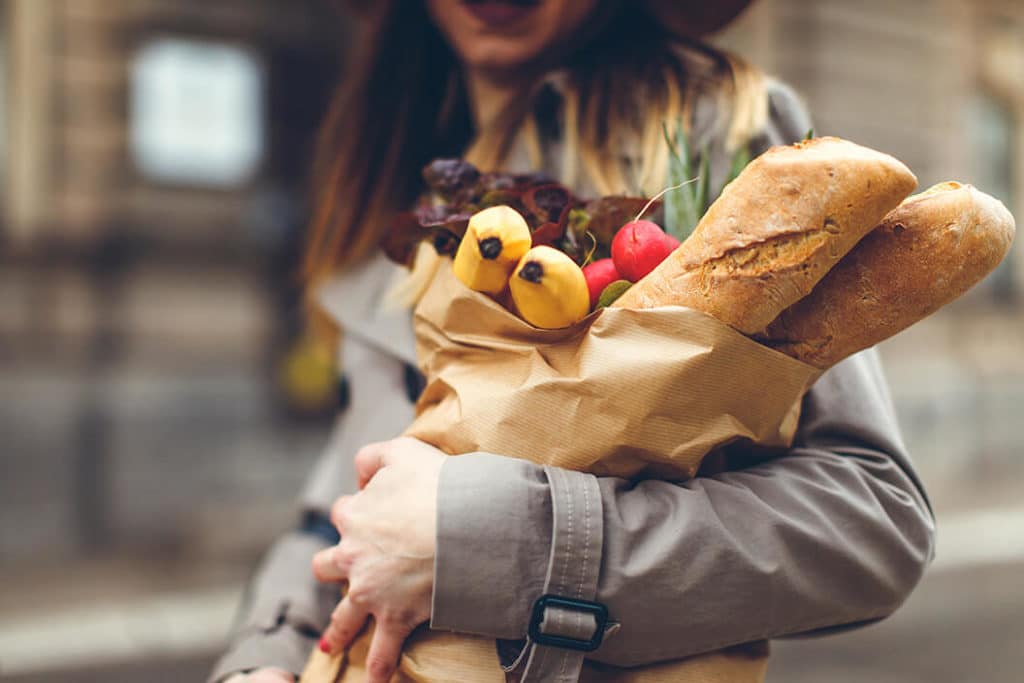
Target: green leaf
pixel 810 134
pixel 579 220
pixel 703 185
pixel 739 161
pixel 683 142
pixel 669 142
pixel 612 292
pixel 681 211
pixel 677 204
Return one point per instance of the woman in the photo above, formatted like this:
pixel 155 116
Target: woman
pixel 834 532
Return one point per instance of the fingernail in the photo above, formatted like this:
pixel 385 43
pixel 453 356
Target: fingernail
pixel 325 646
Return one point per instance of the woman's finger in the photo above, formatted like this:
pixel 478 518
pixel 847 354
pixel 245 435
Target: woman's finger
pixel 338 512
pixel 347 621
pixel 330 565
pixel 386 648
pixel 369 460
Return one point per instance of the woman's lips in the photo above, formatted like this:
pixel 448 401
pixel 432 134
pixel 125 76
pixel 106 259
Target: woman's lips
pixel 498 12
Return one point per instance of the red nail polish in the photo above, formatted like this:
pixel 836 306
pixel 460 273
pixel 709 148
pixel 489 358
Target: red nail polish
pixel 325 646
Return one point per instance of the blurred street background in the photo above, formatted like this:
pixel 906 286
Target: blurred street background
pixel 160 406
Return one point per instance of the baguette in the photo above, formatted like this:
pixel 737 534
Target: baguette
pixel 775 231
pixel 924 254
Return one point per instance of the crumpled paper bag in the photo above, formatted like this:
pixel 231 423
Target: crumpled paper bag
pixel 637 394
pixel 626 393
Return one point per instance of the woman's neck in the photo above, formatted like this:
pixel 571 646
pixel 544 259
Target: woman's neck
pixel 490 95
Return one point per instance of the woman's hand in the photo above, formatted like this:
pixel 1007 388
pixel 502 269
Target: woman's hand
pixel 262 676
pixel 386 553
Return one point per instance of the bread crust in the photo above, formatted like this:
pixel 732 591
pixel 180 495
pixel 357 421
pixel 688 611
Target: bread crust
pixel 923 255
pixel 775 231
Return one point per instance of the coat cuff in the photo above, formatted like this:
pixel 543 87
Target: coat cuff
pixel 493 544
pixel 573 570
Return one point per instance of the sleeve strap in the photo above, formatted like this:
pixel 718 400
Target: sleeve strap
pixel 566 622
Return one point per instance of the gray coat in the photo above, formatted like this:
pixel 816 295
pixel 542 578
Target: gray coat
pixel 833 533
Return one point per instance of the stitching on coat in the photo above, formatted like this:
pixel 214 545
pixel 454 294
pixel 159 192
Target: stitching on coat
pixel 568 533
pixel 563 656
pixel 540 653
pixel 541 658
pixel 586 552
pixel 586 546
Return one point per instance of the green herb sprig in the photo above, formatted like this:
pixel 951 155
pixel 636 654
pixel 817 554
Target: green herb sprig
pixel 684 208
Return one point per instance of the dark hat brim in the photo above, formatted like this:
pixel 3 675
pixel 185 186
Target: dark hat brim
pixel 697 18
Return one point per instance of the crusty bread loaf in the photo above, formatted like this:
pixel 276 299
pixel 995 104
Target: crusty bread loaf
pixel 925 253
pixel 775 231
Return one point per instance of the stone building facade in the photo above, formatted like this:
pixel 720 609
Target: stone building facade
pixel 78 110
pixel 940 85
pixel 152 181
pixel 937 83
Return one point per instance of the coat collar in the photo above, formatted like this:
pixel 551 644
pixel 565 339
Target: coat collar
pixel 354 299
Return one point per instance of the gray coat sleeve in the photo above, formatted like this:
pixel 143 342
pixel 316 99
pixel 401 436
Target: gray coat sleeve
pixel 283 611
pixel 835 531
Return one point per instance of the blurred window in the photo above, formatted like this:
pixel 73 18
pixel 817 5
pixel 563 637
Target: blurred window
pixel 995 123
pixel 197 112
pixel 992 133
pixel 3 103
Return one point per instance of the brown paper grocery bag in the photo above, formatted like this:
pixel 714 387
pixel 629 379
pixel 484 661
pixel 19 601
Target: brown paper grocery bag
pixel 434 657
pixel 627 393
pixel 638 394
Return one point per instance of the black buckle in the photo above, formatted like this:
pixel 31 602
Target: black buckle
pixel 599 611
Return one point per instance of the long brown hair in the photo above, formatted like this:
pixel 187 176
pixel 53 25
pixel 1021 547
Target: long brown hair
pixel 404 104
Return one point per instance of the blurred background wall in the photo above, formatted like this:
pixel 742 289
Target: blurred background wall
pixel 159 406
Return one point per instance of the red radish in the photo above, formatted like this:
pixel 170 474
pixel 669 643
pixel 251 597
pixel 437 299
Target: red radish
pixel 638 247
pixel 600 274
pixel 673 243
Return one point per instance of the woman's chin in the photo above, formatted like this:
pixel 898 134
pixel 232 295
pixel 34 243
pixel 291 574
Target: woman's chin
pixel 497 57
pixel 507 35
